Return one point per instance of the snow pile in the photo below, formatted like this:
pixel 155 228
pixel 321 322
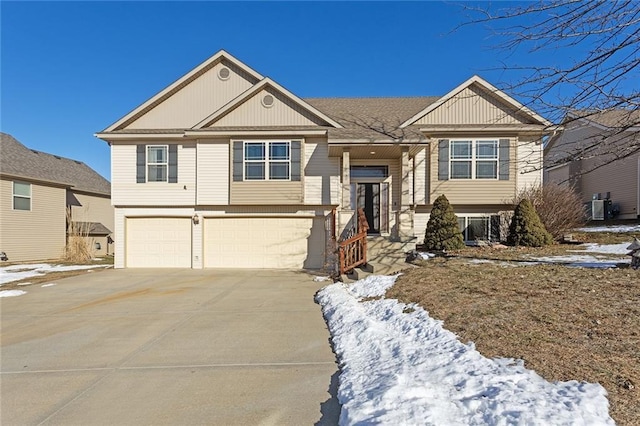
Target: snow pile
pixel 12 293
pixel 405 368
pixel 20 272
pixel 426 256
pixel 612 228
pixel 620 249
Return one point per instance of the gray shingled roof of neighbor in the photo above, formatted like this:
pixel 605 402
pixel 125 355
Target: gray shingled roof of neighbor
pixel 92 228
pixel 20 161
pixel 617 118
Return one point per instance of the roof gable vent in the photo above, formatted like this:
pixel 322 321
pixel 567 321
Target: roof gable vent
pixel 224 73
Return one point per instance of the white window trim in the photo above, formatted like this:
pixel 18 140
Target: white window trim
pixel 474 159
pixel 148 163
pixel 466 218
pixel 14 195
pixel 266 161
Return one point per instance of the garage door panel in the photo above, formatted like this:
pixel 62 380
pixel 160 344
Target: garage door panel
pixel 264 242
pixel 158 242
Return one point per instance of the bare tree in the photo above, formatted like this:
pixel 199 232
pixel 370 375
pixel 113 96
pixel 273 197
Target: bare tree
pixel 598 44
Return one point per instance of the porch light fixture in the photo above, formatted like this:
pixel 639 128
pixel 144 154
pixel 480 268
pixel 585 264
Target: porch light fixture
pixel 196 219
pixel 372 152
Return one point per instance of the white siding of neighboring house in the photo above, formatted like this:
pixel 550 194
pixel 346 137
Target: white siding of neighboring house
pixel 283 112
pixel 195 101
pixel 321 173
pixel 38 234
pixel 213 172
pixel 126 192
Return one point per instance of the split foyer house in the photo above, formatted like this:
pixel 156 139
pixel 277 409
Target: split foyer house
pixel 227 168
pixel 41 195
pixel 597 153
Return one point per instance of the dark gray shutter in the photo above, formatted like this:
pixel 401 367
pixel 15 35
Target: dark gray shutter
pixel 495 228
pixel 141 163
pixel 503 161
pixel 443 159
pixel 237 161
pixel 173 163
pixel 295 160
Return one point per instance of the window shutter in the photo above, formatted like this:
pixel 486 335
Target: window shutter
pixel 443 159
pixel 141 163
pixel 495 228
pixel 504 159
pixel 173 163
pixel 295 161
pixel 237 161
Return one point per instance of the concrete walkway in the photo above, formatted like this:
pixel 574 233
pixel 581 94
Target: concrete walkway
pixel 137 347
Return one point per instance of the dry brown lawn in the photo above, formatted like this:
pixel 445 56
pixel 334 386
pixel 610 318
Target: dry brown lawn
pixel 565 323
pixel 53 276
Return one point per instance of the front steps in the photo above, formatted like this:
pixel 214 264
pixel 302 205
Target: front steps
pixel 384 257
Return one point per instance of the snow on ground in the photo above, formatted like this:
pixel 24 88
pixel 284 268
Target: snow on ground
pixel 591 261
pixel 12 293
pixel 605 248
pixel 611 228
pixel 19 272
pixel 405 368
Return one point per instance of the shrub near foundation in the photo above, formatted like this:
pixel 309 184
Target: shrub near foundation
pixel 443 232
pixel 526 229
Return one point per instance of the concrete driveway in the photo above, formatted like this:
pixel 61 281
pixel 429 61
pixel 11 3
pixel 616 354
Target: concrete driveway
pixel 229 347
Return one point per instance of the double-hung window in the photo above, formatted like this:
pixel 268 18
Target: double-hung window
pixel 267 160
pixel 21 196
pixel 474 159
pixel 157 163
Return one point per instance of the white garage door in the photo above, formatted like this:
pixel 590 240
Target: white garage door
pixel 158 242
pixel 288 243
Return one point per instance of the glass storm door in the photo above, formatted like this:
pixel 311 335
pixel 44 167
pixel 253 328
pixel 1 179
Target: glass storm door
pixel 369 200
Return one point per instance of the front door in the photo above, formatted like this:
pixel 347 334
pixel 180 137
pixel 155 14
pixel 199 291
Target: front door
pixel 369 201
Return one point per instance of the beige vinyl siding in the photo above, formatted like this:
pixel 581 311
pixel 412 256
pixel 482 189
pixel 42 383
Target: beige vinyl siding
pixel 213 172
pixel 283 112
pixel 125 191
pixel 321 173
pixel 529 163
pixel 420 220
pixel 473 191
pixel 37 234
pixel 558 175
pixel 619 178
pixel 194 102
pixel 472 106
pixel 420 176
pixel 266 192
pixel 91 208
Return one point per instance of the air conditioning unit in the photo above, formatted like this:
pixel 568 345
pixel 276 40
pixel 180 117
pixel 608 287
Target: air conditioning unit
pixel 597 209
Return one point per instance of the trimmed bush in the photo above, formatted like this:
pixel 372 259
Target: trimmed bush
pixel 443 232
pixel 526 228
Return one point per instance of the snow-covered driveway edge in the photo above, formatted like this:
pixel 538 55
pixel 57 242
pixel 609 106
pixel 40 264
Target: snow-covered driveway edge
pixel 400 366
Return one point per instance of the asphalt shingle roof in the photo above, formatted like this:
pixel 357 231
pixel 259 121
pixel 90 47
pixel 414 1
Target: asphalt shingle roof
pixel 18 160
pixel 371 117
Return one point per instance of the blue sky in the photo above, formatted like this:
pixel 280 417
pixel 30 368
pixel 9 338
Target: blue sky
pixel 69 69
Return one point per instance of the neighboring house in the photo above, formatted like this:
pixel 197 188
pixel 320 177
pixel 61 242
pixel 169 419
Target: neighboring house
pixel 598 155
pixel 227 168
pixel 37 193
